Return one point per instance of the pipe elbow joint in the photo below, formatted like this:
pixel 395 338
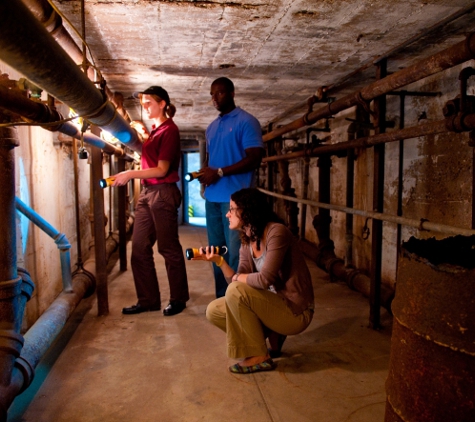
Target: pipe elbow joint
pixel 62 241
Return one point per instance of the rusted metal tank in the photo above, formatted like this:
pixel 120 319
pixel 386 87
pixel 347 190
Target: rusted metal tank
pixel 432 363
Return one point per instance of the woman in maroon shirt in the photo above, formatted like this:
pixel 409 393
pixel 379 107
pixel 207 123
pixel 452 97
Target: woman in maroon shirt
pixel 270 295
pixel 156 214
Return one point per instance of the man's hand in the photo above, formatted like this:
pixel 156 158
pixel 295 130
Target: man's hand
pixel 209 176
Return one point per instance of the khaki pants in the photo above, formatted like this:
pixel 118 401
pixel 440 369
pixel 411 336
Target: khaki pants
pixel 244 312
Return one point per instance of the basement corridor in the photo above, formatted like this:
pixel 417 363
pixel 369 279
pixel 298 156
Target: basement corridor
pixel 151 368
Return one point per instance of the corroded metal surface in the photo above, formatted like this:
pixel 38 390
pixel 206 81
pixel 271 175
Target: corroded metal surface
pixel 428 381
pixel 436 302
pixel 432 365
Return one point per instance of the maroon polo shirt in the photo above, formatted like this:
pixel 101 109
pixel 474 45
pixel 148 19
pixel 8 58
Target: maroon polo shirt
pixel 163 144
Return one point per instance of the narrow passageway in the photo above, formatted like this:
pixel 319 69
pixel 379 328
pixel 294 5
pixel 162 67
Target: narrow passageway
pixel 149 367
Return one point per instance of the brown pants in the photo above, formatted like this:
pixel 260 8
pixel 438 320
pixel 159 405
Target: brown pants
pixel 156 220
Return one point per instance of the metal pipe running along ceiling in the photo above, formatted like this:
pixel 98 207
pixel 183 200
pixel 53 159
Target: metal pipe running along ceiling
pixel 452 56
pixel 38 112
pixel 26 46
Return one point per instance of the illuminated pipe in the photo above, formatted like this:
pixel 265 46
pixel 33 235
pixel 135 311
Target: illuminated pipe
pixel 38 112
pixel 49 67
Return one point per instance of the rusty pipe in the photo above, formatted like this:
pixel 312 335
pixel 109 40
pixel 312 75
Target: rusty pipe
pixel 423 129
pixel 11 300
pixel 452 56
pixel 49 67
pixel 324 256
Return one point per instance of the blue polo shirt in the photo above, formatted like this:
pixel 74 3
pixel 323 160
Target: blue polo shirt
pixel 227 138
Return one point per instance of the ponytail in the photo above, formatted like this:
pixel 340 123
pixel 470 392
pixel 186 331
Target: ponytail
pixel 170 110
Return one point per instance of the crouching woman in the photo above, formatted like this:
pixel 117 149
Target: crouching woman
pixel 271 294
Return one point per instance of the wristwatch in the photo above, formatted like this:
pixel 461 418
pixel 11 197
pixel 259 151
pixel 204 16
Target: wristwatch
pixel 220 172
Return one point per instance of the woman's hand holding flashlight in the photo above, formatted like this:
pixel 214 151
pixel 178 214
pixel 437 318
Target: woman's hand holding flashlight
pixel 208 254
pixel 121 179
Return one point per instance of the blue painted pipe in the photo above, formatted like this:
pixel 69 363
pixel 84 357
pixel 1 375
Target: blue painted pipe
pixel 59 238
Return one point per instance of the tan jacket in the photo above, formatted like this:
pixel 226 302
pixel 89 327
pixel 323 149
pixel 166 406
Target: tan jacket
pixel 284 268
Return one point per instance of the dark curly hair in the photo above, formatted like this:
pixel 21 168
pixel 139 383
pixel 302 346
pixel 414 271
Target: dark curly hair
pixel 255 213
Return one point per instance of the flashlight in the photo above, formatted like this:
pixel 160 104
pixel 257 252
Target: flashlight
pixel 192 176
pixel 192 252
pixel 104 183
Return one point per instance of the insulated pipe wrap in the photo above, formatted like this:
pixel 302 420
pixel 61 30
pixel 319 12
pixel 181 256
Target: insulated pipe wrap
pixel 26 46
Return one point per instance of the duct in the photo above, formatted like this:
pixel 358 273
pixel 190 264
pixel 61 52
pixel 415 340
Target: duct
pixel 49 67
pixel 35 111
pixel 60 239
pixel 452 56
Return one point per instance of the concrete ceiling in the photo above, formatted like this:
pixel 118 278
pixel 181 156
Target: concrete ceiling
pixel 277 52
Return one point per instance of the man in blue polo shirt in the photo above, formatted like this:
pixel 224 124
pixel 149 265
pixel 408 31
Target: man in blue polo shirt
pixel 234 152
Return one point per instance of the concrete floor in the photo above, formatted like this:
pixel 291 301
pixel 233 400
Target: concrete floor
pixel 148 367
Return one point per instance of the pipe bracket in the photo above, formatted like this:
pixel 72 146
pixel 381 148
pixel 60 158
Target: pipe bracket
pixel 363 103
pixel 10 288
pixel 421 225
